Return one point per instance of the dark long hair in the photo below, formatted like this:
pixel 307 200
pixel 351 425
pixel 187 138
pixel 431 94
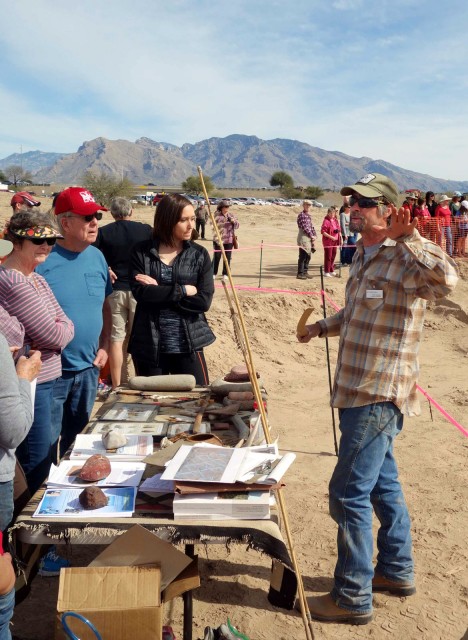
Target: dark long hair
pixel 167 215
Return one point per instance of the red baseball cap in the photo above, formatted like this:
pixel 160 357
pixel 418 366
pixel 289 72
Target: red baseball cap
pixel 77 200
pixel 24 196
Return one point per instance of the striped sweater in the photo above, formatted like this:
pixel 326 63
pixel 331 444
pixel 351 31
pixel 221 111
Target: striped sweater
pixel 46 326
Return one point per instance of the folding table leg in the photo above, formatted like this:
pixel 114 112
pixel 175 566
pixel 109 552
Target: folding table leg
pixel 188 600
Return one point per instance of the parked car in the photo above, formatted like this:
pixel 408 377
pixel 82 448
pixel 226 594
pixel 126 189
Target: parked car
pixel 315 203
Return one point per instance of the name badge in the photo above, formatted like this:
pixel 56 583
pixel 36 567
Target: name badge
pixel 374 293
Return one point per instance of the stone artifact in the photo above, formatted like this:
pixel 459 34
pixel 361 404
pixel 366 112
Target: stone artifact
pixel 95 468
pixel 93 498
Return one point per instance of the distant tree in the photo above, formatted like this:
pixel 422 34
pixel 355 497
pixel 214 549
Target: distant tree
pixel 313 192
pixel 2 177
pixel 17 174
pixel 281 179
pixel 289 191
pixel 104 187
pixel 193 185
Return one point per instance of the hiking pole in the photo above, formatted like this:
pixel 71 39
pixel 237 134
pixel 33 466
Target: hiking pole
pixel 306 618
pixel 324 307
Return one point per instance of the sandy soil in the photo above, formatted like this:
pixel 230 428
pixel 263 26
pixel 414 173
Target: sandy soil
pixel 431 453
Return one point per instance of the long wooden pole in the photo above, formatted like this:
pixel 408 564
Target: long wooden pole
pixel 249 361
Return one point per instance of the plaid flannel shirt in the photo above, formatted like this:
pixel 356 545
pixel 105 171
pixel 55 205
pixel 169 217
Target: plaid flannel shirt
pixel 304 222
pixel 381 323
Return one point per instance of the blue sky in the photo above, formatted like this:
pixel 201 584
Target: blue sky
pixel 387 79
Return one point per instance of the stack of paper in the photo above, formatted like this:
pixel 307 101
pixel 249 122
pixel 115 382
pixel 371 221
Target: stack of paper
pixel 124 474
pixel 88 444
pixel 245 505
pixel 64 503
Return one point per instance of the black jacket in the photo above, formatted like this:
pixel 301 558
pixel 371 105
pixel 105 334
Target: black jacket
pixel 191 266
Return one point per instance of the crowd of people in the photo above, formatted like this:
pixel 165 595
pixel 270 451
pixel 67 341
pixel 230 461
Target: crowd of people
pixel 442 220
pixel 70 296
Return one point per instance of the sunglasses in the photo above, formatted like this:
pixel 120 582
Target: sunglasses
pixel 39 241
pixel 363 203
pixel 97 215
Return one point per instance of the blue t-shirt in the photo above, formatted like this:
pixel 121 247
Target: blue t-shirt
pixel 80 282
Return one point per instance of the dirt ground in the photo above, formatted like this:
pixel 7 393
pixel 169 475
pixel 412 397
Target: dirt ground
pixel 431 452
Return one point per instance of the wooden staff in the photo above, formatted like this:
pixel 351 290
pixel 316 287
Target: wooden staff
pixel 243 340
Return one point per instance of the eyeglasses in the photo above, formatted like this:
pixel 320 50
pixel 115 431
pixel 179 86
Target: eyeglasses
pixel 97 215
pixel 363 203
pixel 39 241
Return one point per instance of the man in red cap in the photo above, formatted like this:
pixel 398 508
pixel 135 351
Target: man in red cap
pixel 23 201
pixel 78 275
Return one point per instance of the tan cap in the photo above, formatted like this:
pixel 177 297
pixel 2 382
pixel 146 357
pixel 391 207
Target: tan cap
pixel 373 185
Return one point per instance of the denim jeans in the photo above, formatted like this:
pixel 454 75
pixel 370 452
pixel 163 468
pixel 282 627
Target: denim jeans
pixel 73 400
pixel 34 452
pixel 7 605
pixel 366 477
pixel 6 504
pixel 447 232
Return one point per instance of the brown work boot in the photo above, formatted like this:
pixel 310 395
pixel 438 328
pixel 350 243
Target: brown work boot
pixel 395 587
pixel 323 608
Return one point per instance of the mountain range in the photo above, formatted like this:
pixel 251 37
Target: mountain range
pixel 234 161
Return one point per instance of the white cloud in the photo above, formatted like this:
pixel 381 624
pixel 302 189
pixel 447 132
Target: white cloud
pixel 363 79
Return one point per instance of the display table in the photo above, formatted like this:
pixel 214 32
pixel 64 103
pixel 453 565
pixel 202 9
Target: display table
pixel 263 536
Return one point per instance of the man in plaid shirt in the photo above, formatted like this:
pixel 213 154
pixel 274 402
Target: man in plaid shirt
pixel 393 273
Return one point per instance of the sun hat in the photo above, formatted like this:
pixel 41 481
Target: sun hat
pixel 373 185
pixel 37 231
pixel 24 197
pixel 6 247
pixel 412 196
pixel 77 200
pixel 223 203
pixel 444 198
pixel 464 204
pixel 457 193
pixel 304 202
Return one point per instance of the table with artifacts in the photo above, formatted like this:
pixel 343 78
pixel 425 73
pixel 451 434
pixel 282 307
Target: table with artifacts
pixel 186 464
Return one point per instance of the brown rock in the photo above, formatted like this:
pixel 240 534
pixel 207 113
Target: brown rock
pixel 95 468
pixel 93 498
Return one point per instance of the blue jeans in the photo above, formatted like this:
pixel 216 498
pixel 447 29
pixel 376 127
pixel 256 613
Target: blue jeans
pixel 6 504
pixel 447 232
pixel 73 400
pixel 366 477
pixel 7 605
pixel 34 452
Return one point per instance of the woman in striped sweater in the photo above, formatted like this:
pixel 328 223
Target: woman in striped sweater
pixel 27 296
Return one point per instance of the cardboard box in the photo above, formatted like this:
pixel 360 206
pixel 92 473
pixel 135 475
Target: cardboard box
pixel 125 601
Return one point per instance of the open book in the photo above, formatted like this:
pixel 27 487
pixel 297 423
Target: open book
pixel 65 503
pixel 124 474
pixel 207 463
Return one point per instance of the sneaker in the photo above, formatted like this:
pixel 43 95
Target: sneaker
pixel 51 564
pixel 225 278
pixel 301 276
pixel 327 275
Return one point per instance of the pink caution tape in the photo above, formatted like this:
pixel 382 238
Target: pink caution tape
pixel 333 304
pixel 442 411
